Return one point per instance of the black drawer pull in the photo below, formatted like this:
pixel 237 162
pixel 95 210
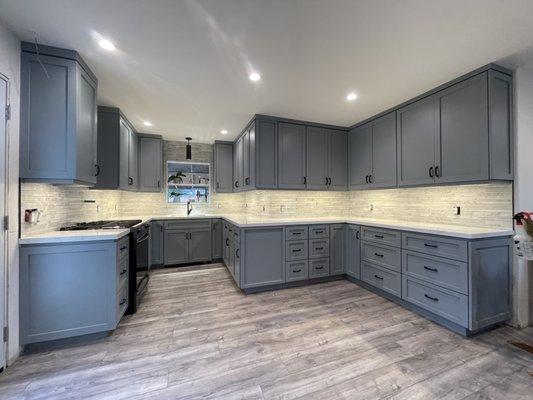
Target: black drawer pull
pixel 122 302
pixel 319 267
pixel 238 253
pixel 123 272
pixel 433 246
pixel 378 277
pixel 431 298
pixel 379 236
pixel 296 270
pixel 379 255
pixel 297 233
pixel 319 248
pixel 227 241
pixel 296 250
pixel 430 269
pixel 122 248
pixel 357 236
pixel 319 232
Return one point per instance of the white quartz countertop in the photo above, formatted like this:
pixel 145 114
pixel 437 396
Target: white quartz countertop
pixel 465 232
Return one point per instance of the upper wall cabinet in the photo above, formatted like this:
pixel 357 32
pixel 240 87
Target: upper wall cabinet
pixel 150 163
pixel 459 134
pixel 118 154
pixel 223 163
pixel 58 117
pixel 372 153
pixel 326 159
pixel 291 156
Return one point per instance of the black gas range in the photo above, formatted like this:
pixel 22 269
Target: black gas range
pixel 139 268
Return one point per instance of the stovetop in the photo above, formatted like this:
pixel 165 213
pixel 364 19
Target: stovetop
pixel 114 224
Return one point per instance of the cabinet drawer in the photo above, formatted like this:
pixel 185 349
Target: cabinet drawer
pixel 379 235
pixel 384 256
pixel 121 302
pixel 296 271
pixel 450 274
pixel 318 268
pixel 296 233
pixel 318 248
pixel 296 250
pixel 382 278
pixel 123 247
pixel 455 249
pixel 236 234
pixel 188 224
pixel 450 305
pixel 319 232
pixel 122 271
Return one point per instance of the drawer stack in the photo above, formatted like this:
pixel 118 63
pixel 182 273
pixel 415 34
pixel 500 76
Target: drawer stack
pixel 306 252
pixel 381 259
pixel 231 250
pixel 122 277
pixel 435 275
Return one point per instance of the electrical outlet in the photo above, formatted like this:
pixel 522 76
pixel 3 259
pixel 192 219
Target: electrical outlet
pixel 264 208
pixel 457 210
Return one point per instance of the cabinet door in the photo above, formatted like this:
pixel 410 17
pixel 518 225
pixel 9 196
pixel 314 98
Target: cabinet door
pixel 200 245
pixel 238 165
pixel 384 151
pixel 249 158
pixel 336 249
pixel 291 156
pixel 133 172
pixel 463 131
pixel 156 242
pixel 338 160
pixel 317 156
pixel 417 133
pixel 266 152
pixel 353 251
pixel 123 163
pixel 360 156
pixel 223 158
pixel 216 238
pixel 176 247
pixel 150 164
pixel 86 133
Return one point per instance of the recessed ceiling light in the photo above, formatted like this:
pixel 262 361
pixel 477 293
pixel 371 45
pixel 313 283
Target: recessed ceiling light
pixel 254 77
pixel 351 96
pixel 224 131
pixel 147 123
pixel 106 44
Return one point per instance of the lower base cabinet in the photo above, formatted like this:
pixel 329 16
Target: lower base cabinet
pixel 353 251
pixel 187 241
pixel 382 278
pixel 72 289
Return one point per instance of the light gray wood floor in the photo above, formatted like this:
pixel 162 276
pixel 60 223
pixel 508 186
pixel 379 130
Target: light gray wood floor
pixel 197 336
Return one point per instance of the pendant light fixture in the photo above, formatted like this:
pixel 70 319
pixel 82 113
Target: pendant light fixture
pixel 188 153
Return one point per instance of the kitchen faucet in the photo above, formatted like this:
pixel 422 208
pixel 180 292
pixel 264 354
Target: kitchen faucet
pixel 189 207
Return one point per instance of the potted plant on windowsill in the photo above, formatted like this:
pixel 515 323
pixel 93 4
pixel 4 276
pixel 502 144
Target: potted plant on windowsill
pixel 176 178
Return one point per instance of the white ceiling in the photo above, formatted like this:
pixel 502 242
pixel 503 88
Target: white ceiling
pixel 184 64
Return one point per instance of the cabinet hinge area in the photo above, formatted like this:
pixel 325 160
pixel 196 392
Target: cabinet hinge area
pixel 8 112
pixel 6 222
pixel 6 333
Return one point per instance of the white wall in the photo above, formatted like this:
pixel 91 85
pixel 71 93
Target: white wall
pixel 523 192
pixel 10 67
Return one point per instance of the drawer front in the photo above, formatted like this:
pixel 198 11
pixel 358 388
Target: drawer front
pixel 296 250
pixel 382 278
pixel 122 271
pixel 384 256
pixel 121 302
pixel 378 235
pixel 123 247
pixel 455 249
pixel 318 268
pixel 450 305
pixel 319 232
pixel 236 233
pixel 296 233
pixel 296 271
pixel 188 224
pixel 318 248
pixel 449 274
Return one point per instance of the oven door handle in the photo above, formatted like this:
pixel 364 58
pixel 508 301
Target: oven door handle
pixel 143 238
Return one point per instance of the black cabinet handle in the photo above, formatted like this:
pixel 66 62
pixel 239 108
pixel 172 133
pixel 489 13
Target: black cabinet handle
pixel 329 181
pixel 158 184
pixel 123 272
pixel 357 235
pixel 296 250
pixel 319 232
pixel 236 184
pixel 430 269
pixel 433 246
pixel 378 277
pixel 238 253
pixel 319 268
pixel 247 181
pixel 161 228
pixel 297 233
pixel 370 177
pixel 437 171
pixel 366 179
pixel 431 172
pixel 379 255
pixel 379 236
pixel 227 241
pixel 130 181
pixel 305 180
pixel 296 270
pixel 97 167
pixel 319 248
pixel 122 302
pixel 326 179
pixel 431 298
pixel 122 248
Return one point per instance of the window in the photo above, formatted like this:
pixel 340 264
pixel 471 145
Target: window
pixel 187 181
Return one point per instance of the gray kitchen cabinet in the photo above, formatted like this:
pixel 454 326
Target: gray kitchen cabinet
pixel 176 246
pixel 71 289
pixel 216 236
pixel 119 151
pixel 337 159
pixel 57 117
pixel 248 163
pixel 262 257
pixel 360 156
pixel 337 254
pixel 238 165
pixel 157 243
pixel 317 154
pixel 223 163
pixel 353 251
pixel 266 154
pixel 187 241
pixel 199 245
pixel 383 172
pixel 150 163
pixel 291 156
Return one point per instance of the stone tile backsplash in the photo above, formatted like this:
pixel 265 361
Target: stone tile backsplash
pixel 483 205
